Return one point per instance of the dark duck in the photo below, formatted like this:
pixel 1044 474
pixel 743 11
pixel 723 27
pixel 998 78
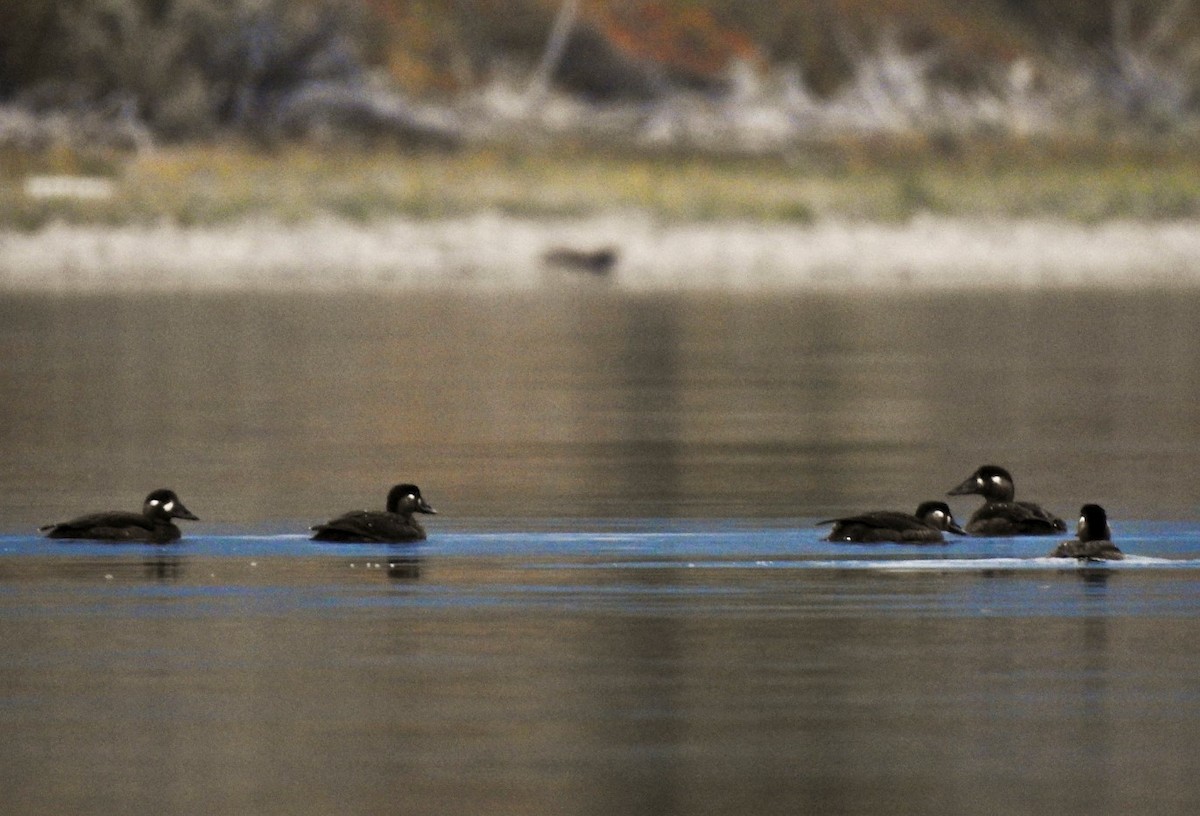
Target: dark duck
pixel 393 525
pixel 1000 515
pixel 153 525
pixel 1093 538
pixel 881 526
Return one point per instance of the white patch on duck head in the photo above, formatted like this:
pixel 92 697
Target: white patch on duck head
pixel 169 506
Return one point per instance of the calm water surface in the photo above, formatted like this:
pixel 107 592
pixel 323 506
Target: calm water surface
pixel 624 606
pixel 594 404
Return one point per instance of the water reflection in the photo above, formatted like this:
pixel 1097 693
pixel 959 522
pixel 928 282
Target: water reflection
pixel 557 681
pixel 164 569
pixel 404 568
pixel 647 411
pixel 596 403
pixel 1095 578
pixel 90 569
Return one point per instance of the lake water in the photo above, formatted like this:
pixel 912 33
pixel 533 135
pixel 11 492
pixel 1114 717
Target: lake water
pixel 624 605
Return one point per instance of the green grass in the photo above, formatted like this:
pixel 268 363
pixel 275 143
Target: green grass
pixel 860 181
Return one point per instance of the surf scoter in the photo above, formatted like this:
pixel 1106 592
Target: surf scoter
pixel 152 525
pixel 1093 538
pixel 1000 515
pixel 923 527
pixel 394 525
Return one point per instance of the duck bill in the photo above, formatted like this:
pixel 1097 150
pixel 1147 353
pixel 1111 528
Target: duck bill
pixel 968 487
pixel 423 507
pixel 181 512
pixel 954 528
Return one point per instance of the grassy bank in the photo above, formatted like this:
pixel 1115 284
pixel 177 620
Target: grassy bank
pixel 854 181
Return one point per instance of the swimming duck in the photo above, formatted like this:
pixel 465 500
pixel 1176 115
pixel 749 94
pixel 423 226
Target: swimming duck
pixel 1093 538
pixel 394 525
pixel 923 527
pixel 1000 515
pixel 598 262
pixel 152 525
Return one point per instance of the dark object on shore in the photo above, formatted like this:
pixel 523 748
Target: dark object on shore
pixel 598 262
pixel 881 526
pixel 153 525
pixel 1093 540
pixel 1000 515
pixel 394 525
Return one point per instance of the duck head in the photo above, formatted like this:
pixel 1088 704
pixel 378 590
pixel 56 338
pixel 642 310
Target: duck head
pixel 990 481
pixel 163 505
pixel 406 499
pixel 1093 524
pixel 937 514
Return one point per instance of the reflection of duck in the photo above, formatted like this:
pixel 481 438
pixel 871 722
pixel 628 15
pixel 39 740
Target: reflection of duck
pixel 598 262
pixel 923 527
pixel 395 524
pixel 152 525
pixel 1000 515
pixel 163 569
pixel 404 568
pixel 1093 540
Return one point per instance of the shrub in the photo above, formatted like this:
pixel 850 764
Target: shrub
pixel 185 67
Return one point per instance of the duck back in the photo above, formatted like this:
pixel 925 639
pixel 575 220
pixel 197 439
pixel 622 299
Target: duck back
pixel 1012 518
pixel 1088 551
pixel 367 526
pixel 114 526
pixel 883 526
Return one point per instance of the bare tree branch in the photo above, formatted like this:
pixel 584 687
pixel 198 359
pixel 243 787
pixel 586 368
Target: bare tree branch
pixel 556 44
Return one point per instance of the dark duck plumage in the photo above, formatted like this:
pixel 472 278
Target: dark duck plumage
pixel 1093 538
pixel 152 525
pixel 598 262
pixel 880 526
pixel 394 525
pixel 1000 515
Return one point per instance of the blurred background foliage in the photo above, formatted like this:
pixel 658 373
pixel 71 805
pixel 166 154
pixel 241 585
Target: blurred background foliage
pixel 441 71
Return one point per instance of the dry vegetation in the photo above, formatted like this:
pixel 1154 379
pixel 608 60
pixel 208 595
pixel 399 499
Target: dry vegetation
pixel 204 112
pixel 855 181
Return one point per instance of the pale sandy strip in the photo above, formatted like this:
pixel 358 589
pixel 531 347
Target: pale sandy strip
pixel 493 251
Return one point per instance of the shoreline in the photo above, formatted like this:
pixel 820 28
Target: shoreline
pixel 490 251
